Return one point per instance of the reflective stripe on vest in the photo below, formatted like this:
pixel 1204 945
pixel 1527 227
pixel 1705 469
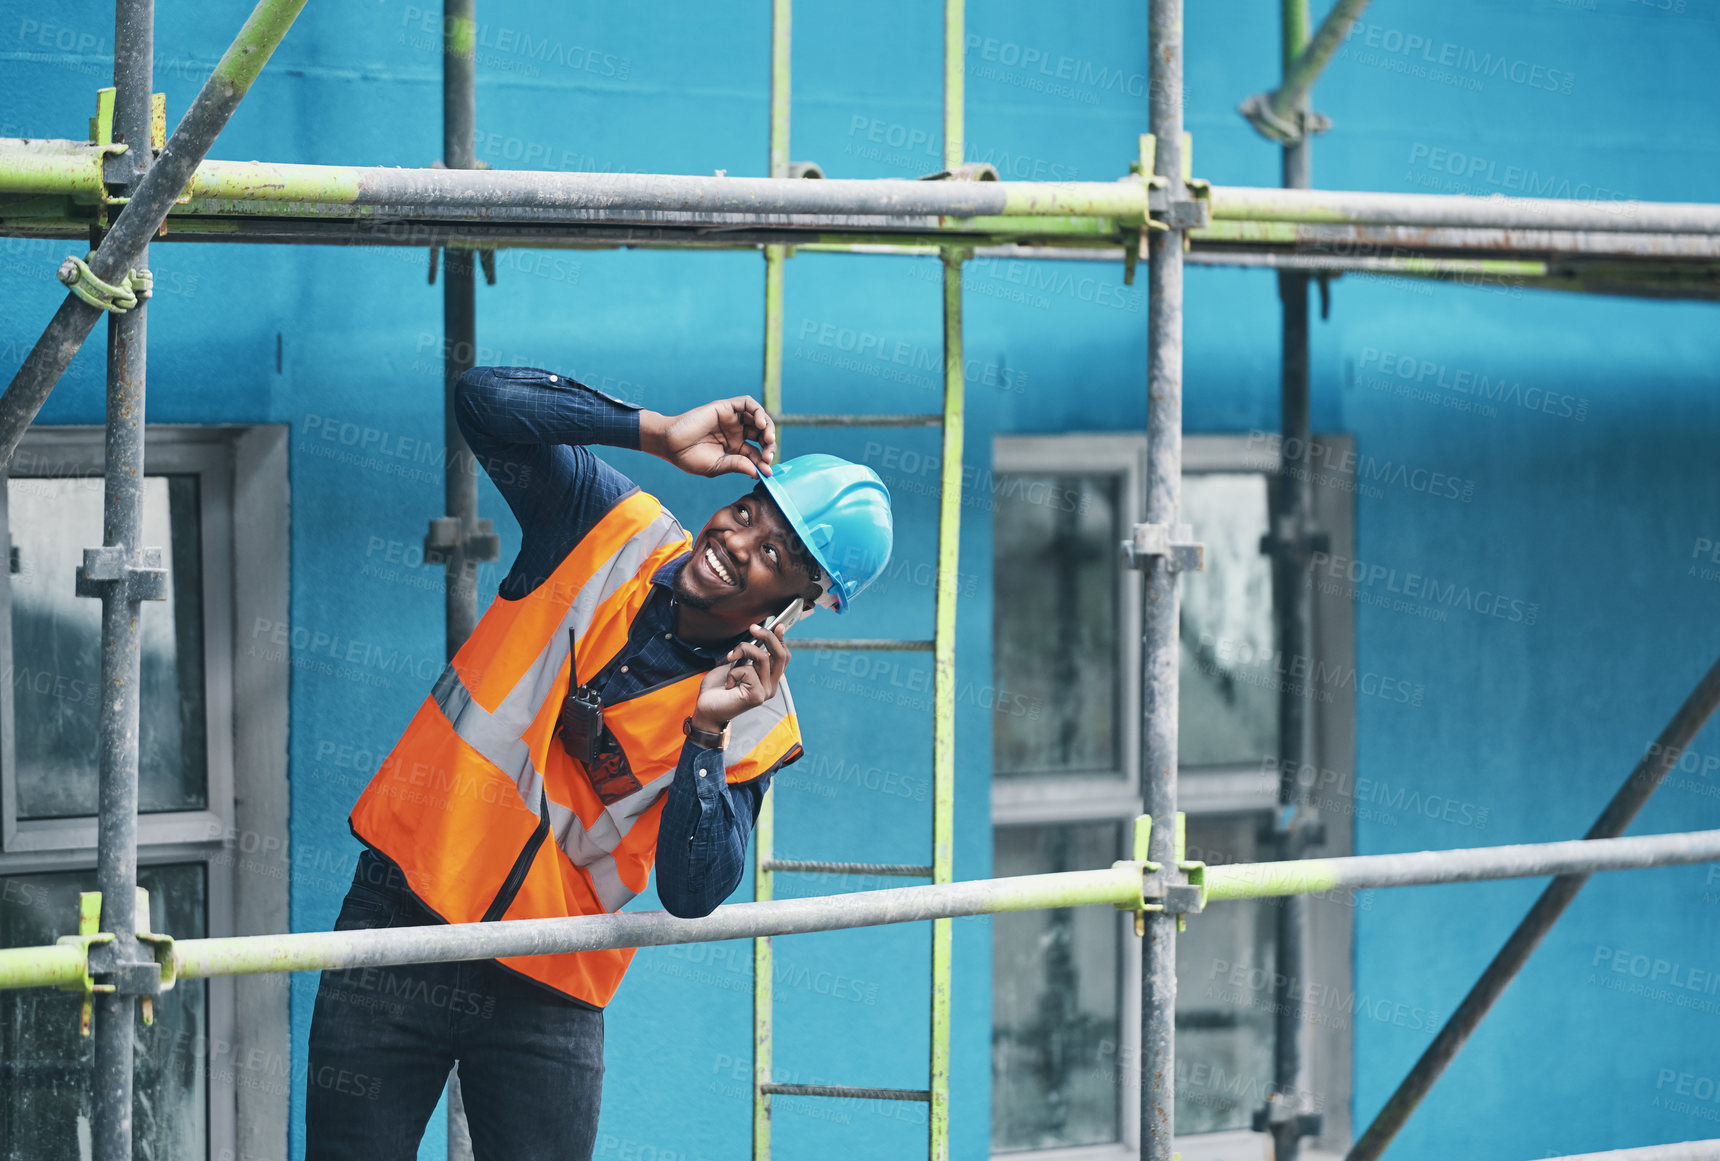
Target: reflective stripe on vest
pixel 457 799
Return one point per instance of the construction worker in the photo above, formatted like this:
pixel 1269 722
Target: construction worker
pixel 618 705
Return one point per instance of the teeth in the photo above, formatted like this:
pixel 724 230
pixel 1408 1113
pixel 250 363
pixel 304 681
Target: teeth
pixel 717 566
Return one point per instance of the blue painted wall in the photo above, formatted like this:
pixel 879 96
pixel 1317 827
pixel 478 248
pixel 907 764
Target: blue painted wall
pixel 1595 479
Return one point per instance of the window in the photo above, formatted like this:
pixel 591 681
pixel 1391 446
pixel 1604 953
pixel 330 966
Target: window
pixel 191 821
pixel 1066 632
pixel 48 721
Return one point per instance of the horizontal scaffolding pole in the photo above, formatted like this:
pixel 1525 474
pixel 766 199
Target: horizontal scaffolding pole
pixel 34 169
pixel 1371 264
pixel 1119 885
pixel 1307 246
pixel 1344 240
pixel 584 231
pixel 1473 864
pixel 29 167
pixel 1239 203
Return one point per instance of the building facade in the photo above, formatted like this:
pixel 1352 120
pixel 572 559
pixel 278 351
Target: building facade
pixel 1521 487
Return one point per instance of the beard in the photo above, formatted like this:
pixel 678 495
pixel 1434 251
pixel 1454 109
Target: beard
pixel 685 595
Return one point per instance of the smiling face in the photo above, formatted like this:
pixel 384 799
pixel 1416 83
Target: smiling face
pixel 747 564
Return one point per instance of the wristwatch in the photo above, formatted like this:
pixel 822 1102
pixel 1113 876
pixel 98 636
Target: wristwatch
pixel 705 738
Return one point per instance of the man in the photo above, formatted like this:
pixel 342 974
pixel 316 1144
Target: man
pixel 618 705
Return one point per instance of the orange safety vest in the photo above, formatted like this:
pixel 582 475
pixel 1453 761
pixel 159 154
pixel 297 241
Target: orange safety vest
pixel 456 805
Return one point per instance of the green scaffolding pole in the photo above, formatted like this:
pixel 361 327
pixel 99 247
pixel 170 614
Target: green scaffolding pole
pixel 944 634
pixel 942 646
pixel 764 832
pixel 1131 885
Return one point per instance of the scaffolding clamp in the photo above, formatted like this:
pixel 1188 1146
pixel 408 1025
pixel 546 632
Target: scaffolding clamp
pixel 129 577
pixel 1180 891
pixel 486 254
pixel 1187 209
pixel 1279 1117
pixel 1175 543
pixel 1295 126
pixel 89 920
pixel 114 297
pixel 444 538
pixel 1296 539
pixel 117 963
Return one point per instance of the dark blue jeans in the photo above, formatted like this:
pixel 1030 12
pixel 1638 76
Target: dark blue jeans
pixel 383 1040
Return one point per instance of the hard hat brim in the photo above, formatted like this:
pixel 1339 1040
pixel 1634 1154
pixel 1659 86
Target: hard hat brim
pixel 792 514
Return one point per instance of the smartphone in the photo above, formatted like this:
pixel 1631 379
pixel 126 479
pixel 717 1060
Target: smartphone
pixel 795 611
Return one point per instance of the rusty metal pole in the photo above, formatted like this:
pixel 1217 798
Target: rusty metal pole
pixel 1290 544
pixel 1159 645
pixel 114 573
pixel 458 539
pixel 454 539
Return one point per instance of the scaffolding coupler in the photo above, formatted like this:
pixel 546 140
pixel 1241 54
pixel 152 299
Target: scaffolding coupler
pixel 114 966
pixel 1296 539
pixel 1173 542
pixel 1293 127
pixel 1281 1109
pixel 132 577
pixel 1190 211
pixel 444 536
pixel 1180 891
pixel 486 262
pixel 486 254
pixel 114 297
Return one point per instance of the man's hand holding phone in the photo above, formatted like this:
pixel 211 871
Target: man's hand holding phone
pixel 750 676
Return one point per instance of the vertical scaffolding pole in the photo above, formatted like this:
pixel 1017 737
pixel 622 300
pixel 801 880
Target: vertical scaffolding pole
pixel 122 533
pixel 459 328
pixel 944 635
pixel 1159 612
pixel 764 831
pixel 455 537
pixel 1297 821
pixel 944 699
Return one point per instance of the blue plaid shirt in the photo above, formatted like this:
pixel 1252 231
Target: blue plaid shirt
pixel 530 430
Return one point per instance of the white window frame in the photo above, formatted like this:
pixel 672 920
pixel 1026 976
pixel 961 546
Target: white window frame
pixel 243 527
pixel 1232 789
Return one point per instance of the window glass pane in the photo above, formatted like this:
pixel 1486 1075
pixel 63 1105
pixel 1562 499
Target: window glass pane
pixel 1225 962
pixel 1229 690
pixel 1054 1058
pixel 1055 624
pixel 45 1065
pixel 56 649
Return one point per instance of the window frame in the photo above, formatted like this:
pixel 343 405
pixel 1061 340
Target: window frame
pixel 1243 788
pixel 1024 798
pixel 71 453
pixel 243 511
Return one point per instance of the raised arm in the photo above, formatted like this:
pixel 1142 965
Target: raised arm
pixel 532 431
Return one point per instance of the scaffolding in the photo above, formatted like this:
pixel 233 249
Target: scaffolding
pixel 131 184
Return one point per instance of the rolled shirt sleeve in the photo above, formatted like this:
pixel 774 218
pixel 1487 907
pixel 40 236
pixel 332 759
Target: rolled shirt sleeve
pixel 532 432
pixel 702 835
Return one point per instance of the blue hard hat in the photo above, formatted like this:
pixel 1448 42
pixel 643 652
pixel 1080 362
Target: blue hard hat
pixel 841 512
